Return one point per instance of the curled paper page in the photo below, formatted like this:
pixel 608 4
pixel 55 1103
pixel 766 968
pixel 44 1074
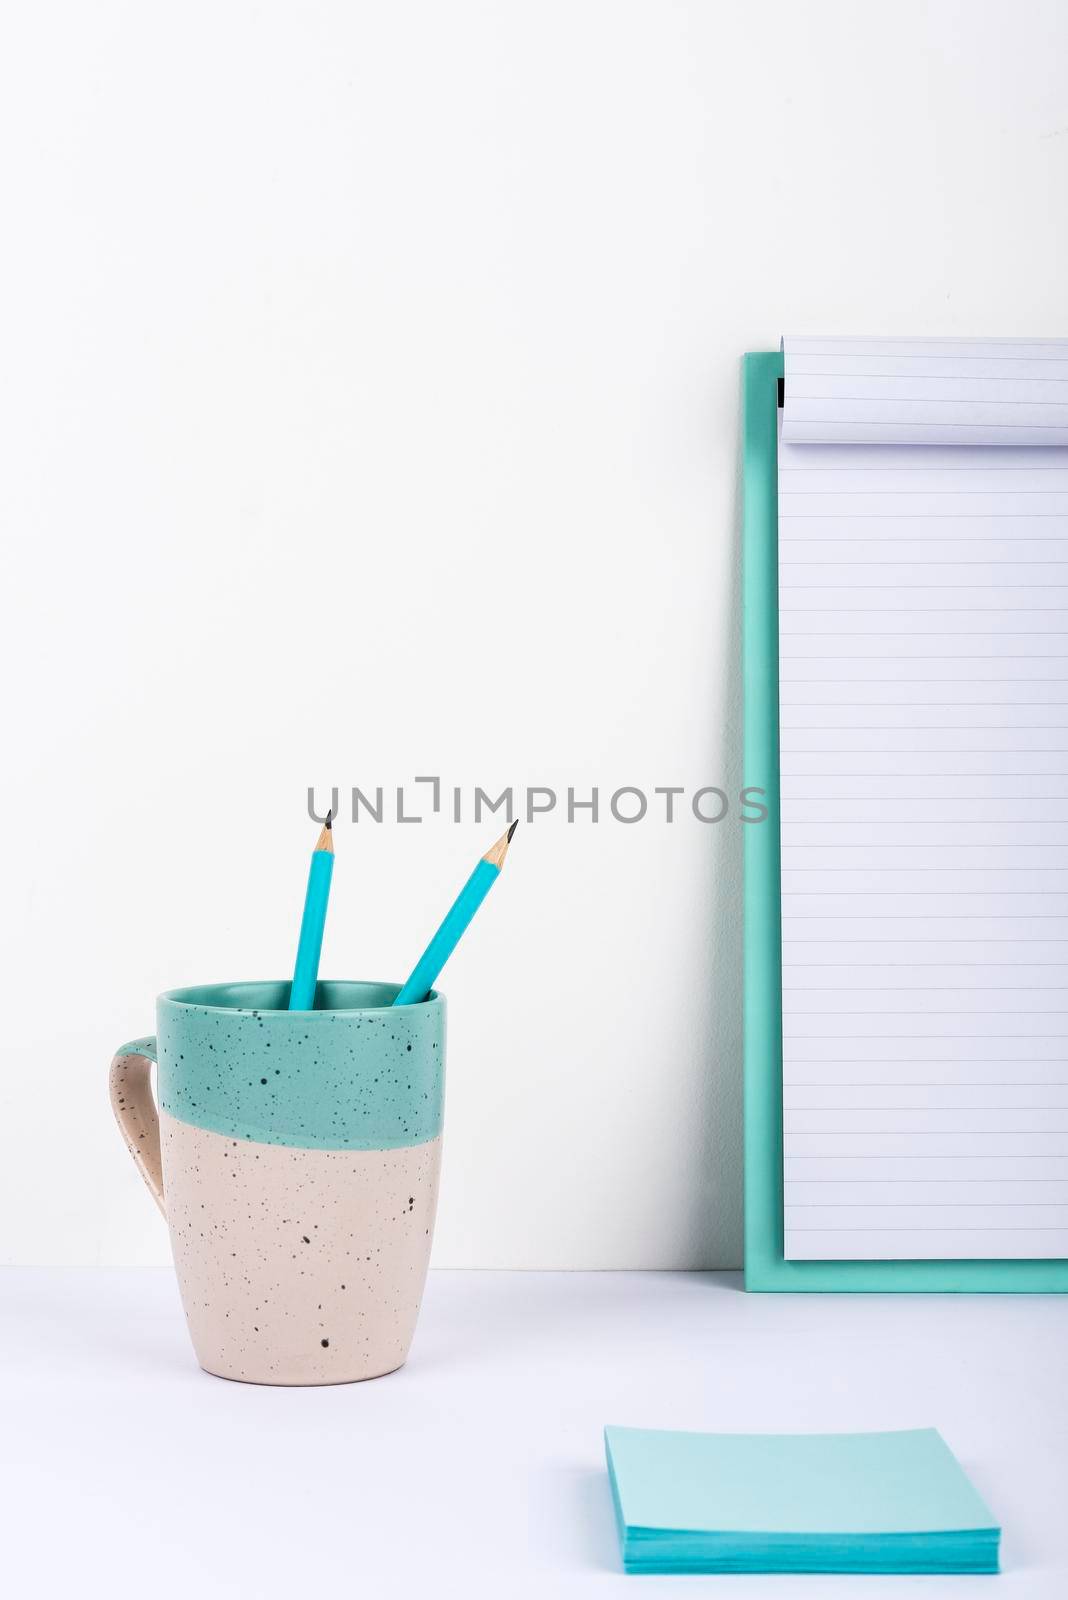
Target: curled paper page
pixel 926 391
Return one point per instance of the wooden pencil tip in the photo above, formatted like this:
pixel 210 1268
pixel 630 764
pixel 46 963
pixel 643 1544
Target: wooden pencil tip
pixel 329 815
pixel 325 840
pixel 496 854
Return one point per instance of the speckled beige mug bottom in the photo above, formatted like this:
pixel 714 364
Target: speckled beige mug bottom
pixel 298 1266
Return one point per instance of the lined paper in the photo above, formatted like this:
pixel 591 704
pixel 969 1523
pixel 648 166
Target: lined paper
pixel 923 635
pixel 926 391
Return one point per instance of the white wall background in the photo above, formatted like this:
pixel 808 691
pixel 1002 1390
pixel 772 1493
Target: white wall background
pixel 369 403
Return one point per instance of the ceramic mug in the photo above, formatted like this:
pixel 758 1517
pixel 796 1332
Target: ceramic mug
pixel 295 1157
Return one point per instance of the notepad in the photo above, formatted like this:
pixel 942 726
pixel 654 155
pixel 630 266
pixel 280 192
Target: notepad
pixel 923 733
pixel 860 1502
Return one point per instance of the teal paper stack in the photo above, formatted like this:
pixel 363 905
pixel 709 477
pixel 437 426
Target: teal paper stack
pixel 817 1502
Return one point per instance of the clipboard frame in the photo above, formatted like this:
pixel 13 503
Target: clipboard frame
pixel 766 1269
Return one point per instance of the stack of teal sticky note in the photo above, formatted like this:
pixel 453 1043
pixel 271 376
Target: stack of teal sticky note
pixel 816 1502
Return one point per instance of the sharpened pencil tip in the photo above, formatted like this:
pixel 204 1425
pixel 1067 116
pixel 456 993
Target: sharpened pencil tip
pixel 329 816
pixel 496 853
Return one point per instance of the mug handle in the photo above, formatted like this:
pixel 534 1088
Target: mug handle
pixel 135 1111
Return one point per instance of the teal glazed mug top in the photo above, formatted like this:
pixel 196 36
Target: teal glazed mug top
pixel 295 1156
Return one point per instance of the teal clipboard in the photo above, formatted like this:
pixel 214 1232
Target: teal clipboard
pixel 765 1267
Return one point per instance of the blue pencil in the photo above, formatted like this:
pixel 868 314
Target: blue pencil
pixel 306 971
pixel 459 914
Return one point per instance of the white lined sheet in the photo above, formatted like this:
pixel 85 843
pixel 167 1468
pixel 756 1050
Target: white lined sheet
pixel 923 637
pixel 926 391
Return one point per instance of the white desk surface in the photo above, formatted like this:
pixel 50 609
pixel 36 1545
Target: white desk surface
pixel 477 1470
